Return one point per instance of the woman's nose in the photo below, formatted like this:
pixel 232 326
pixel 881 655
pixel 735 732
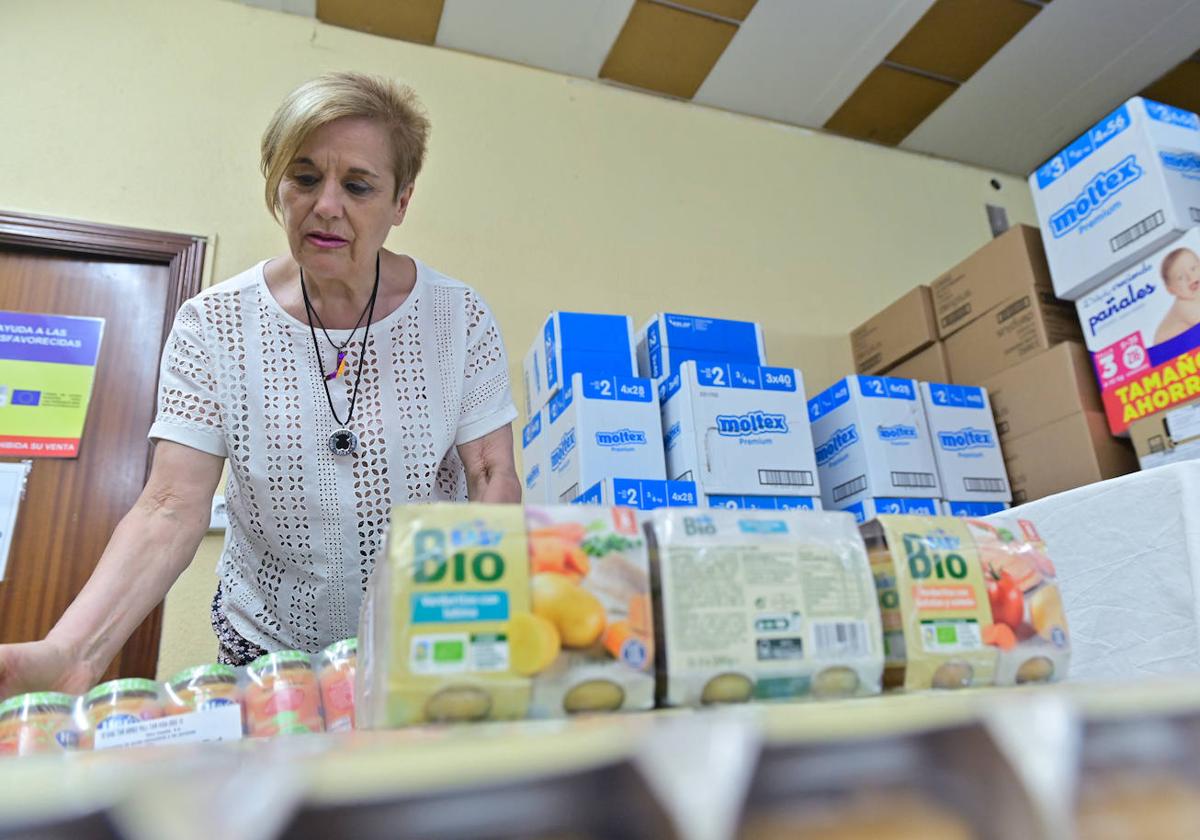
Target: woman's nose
pixel 329 200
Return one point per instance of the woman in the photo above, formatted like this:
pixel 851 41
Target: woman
pixel 338 379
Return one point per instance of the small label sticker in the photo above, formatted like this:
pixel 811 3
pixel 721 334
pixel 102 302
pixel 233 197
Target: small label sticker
pixel 223 723
pixel 950 636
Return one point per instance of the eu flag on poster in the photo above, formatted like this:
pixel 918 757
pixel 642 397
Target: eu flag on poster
pixel 47 368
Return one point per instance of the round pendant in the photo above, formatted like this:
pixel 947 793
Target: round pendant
pixel 343 442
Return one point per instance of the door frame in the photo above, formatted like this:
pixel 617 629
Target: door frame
pixel 183 254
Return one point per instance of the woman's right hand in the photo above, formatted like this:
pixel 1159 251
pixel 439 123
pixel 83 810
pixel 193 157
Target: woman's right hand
pixel 42 666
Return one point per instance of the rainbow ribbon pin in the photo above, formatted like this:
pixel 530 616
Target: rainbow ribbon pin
pixel 341 367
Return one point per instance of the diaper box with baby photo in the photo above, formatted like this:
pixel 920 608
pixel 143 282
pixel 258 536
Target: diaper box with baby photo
pixel 1121 191
pixel 1143 331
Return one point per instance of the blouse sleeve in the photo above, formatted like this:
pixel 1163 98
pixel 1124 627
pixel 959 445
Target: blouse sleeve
pixel 487 402
pixel 188 411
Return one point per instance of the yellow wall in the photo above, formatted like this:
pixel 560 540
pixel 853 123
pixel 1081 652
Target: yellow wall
pixel 540 190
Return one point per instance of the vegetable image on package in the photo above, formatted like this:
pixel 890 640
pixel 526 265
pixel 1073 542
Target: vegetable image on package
pixel 589 642
pixel 447 631
pixel 1029 626
pixel 934 602
pixel 762 605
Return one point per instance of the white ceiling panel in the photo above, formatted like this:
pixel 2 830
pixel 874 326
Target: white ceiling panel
pixel 567 36
pixel 797 62
pixel 1071 65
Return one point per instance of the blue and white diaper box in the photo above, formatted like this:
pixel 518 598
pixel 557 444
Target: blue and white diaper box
pixel 867 509
pixel 603 427
pixel 966 447
pixel 1123 189
pixel 872 443
pixel 640 493
pixel 668 340
pixel 535 458
pixel 576 342
pixel 973 510
pixel 741 433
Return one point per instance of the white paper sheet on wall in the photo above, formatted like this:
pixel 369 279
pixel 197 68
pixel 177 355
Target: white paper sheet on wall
pixel 12 490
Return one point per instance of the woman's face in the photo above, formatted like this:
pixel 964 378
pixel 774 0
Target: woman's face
pixel 1183 280
pixel 337 198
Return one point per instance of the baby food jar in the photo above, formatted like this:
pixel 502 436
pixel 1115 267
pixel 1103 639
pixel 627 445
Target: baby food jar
pixel 41 722
pixel 338 663
pixel 202 688
pixel 283 697
pixel 119 703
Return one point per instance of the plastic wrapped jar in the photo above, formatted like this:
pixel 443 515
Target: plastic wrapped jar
pixel 202 688
pixel 282 697
pixel 41 722
pixel 119 703
pixel 338 663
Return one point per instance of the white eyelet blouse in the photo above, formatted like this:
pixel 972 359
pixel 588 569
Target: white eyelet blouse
pixel 240 379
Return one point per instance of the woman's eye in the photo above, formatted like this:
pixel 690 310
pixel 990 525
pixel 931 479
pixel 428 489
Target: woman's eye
pixel 305 180
pixel 358 188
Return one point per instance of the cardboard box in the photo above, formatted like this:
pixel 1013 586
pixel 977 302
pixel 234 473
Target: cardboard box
pixel 971 510
pixel 576 342
pixel 868 509
pixel 1119 192
pixel 1020 327
pixel 872 441
pixel 640 493
pixel 930 365
pixel 905 327
pixel 535 458
pixel 602 427
pixel 1143 330
pixel 1010 264
pixel 1046 387
pixel 966 447
pixel 752 502
pixel 1068 453
pixel 667 340
pixel 1167 437
pixel 738 430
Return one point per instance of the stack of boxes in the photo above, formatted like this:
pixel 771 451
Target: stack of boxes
pixel 1119 209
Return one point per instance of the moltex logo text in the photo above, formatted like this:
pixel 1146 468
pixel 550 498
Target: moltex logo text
pixel 751 423
pixel 968 438
pixel 1098 191
pixel 621 437
pixel 839 440
pixel 559 454
pixel 891 434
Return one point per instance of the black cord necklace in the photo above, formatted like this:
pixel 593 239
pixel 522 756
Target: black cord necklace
pixel 342 441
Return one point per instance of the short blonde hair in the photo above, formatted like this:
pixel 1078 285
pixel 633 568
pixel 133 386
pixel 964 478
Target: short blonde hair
pixel 332 96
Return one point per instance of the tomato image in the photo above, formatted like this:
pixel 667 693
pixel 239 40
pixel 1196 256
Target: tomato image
pixel 1008 604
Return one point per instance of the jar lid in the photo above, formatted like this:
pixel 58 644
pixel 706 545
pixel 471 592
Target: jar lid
pixel 224 673
pixel 123 686
pixel 280 657
pixel 37 698
pixel 342 649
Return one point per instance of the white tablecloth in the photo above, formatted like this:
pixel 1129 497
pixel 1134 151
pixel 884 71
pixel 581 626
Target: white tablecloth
pixel 1128 559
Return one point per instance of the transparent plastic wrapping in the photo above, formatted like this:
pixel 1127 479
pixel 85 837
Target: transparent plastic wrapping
pixel 282 695
pixel 117 704
pixel 338 664
pixel 438 615
pixel 762 605
pixel 202 687
pixel 1140 778
pixel 1028 626
pixel 589 642
pixel 933 601
pixel 41 722
pixel 946 784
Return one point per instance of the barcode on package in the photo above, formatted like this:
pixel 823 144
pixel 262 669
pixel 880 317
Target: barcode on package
pixel 913 479
pixel 1136 232
pixel 854 485
pixel 838 639
pixel 792 478
pixel 984 485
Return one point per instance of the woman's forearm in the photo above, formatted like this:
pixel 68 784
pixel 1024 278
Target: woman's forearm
pixel 498 487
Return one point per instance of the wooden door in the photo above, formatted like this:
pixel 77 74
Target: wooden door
pixel 135 280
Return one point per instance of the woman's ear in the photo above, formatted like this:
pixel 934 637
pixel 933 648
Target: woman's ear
pixel 402 204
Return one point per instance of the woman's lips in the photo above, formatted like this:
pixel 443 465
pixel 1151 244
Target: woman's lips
pixel 325 240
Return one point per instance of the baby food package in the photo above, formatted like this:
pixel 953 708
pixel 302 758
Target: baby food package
pixel 116 705
pixel 944 784
pixel 933 601
pixel 282 695
pixel 201 688
pixel 439 615
pixel 1028 624
pixel 42 722
pixel 589 642
pixel 337 664
pixel 762 605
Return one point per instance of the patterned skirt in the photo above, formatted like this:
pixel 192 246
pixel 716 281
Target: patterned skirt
pixel 232 648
